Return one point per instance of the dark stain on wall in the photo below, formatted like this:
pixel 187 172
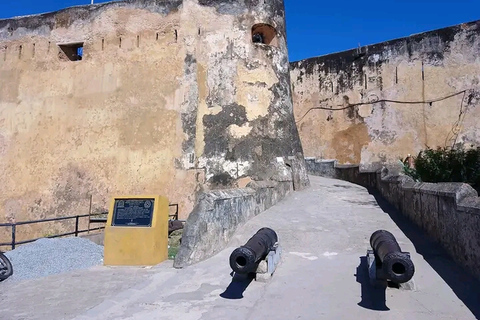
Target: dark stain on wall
pixel 221 180
pixel 216 133
pixel 286 122
pixel 189 117
pixel 271 136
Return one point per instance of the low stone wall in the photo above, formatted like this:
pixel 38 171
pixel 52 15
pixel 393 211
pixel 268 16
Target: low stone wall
pixel 217 215
pixel 323 168
pixel 448 212
pixel 331 169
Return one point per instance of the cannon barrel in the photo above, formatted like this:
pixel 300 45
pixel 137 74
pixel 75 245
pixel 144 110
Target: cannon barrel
pixel 396 265
pixel 245 258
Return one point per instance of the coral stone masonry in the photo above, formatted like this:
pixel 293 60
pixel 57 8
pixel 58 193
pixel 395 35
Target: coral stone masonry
pixel 394 98
pixel 132 97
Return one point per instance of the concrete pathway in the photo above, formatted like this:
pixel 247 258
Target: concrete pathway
pixel 324 232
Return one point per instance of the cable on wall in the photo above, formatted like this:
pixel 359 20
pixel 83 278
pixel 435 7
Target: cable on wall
pixel 380 101
pixel 452 135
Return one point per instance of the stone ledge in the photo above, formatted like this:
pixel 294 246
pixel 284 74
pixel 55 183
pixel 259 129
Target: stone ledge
pixel 217 215
pixel 217 195
pixel 469 205
pixel 455 190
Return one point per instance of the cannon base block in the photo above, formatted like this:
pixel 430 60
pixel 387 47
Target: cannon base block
pixel 266 268
pixel 378 278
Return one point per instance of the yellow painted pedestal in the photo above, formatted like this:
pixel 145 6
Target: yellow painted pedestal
pixel 137 245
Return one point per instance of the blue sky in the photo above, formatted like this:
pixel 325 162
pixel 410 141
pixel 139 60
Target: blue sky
pixel 316 27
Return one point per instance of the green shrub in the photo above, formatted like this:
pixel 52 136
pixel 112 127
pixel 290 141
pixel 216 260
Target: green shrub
pixel 447 165
pixel 172 252
pixel 410 171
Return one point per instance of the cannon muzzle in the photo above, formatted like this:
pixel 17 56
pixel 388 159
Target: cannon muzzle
pixel 246 258
pixel 396 265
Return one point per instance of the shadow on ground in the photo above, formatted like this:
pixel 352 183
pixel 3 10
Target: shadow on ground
pixel 373 297
pixel 237 287
pixel 463 284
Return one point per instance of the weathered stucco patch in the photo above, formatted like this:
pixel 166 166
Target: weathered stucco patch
pixel 348 143
pixel 243 182
pixel 239 131
pixel 365 111
pixel 252 90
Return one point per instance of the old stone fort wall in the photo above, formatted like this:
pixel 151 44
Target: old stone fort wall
pixel 179 98
pixel 163 97
pixel 391 99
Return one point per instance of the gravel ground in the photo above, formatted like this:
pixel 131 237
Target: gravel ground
pixel 45 257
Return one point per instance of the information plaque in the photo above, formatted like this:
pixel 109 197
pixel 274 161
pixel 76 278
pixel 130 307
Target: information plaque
pixel 136 233
pixel 133 212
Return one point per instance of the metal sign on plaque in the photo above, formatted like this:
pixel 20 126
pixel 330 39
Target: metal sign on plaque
pixel 133 212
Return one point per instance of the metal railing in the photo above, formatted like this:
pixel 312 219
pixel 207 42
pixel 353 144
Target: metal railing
pixel 175 215
pixel 13 243
pixel 100 218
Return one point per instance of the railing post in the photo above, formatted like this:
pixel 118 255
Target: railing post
pixel 14 230
pixel 76 226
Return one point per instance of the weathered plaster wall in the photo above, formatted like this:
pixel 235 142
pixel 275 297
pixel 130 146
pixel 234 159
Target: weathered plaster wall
pixel 448 212
pixel 101 126
pixel 422 67
pixel 245 111
pixel 171 97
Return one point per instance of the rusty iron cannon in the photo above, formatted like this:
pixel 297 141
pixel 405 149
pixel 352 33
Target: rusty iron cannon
pixel 245 259
pixel 391 263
